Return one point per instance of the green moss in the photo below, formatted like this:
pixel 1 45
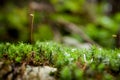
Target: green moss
pixel 72 63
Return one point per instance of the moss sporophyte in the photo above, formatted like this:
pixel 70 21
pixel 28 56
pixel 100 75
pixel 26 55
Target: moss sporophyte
pixel 31 27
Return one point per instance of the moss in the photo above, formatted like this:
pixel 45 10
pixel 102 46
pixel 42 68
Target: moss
pixel 74 63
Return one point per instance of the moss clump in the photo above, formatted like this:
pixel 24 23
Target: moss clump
pixel 72 63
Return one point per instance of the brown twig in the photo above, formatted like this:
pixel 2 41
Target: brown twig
pixel 72 28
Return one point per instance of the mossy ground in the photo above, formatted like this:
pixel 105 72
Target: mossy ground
pixel 72 63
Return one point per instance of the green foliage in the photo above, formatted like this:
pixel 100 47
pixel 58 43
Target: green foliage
pixel 102 33
pixel 43 33
pixel 66 74
pixel 72 5
pixel 117 17
pixel 72 63
pixel 71 72
pixel 92 16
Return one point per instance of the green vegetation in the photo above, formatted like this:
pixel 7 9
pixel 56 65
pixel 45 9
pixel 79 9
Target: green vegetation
pixel 73 21
pixel 99 19
pixel 72 63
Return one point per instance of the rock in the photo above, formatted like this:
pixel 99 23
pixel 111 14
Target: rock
pixel 39 73
pixel 10 72
pixel 4 69
pixel 69 41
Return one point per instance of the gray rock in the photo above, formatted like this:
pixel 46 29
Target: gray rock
pixel 39 73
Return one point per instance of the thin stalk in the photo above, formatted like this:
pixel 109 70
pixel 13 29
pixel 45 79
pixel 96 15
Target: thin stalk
pixel 31 27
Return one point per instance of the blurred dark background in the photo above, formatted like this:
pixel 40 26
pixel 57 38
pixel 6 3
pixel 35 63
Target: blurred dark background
pixel 71 22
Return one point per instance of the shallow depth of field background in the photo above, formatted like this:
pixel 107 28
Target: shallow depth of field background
pixel 98 19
